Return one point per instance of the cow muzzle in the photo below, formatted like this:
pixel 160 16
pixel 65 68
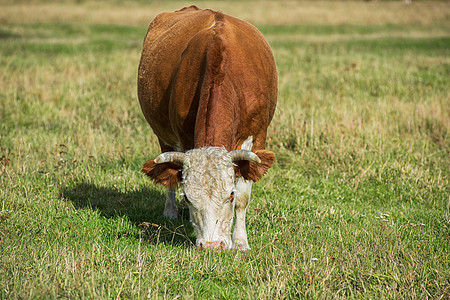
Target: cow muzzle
pixel 212 245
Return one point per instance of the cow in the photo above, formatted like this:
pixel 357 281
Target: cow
pixel 207 86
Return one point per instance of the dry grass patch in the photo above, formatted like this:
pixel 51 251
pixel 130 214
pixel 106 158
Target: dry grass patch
pixel 257 12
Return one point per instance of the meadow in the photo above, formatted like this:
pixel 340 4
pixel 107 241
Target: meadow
pixel 356 206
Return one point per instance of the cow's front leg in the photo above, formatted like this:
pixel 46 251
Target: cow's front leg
pixel 170 208
pixel 242 198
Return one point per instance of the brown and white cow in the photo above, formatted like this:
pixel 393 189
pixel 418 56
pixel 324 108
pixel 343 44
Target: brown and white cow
pixel 207 86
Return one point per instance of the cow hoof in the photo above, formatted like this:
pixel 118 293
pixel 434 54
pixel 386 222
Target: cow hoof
pixel 241 246
pixel 171 214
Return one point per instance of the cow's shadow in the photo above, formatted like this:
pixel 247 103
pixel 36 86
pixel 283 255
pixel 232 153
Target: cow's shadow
pixel 143 207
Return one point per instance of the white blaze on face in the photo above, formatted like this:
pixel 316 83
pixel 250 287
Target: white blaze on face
pixel 209 183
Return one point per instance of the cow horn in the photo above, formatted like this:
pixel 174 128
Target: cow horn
pixel 177 157
pixel 237 155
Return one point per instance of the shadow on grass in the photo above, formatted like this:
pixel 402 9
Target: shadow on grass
pixel 143 207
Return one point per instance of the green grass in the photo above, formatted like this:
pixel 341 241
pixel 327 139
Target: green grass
pixel 357 205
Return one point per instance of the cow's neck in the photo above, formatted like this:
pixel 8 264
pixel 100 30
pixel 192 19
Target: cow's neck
pixel 216 121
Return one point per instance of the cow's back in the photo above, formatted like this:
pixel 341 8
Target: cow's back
pixel 206 79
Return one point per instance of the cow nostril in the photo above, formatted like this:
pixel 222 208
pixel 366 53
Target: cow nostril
pixel 212 245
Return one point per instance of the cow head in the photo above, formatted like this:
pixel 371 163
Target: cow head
pixel 208 176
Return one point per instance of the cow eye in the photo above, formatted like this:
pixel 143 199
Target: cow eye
pixel 232 196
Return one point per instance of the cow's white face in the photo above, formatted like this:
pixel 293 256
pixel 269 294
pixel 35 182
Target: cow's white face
pixel 208 187
pixel 208 178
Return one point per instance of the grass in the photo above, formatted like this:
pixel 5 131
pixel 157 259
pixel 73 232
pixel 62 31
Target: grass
pixel 357 205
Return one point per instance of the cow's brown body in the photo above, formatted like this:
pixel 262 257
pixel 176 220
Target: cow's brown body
pixel 206 79
pixel 208 86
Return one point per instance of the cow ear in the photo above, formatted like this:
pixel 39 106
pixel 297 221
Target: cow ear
pixel 254 171
pixel 167 174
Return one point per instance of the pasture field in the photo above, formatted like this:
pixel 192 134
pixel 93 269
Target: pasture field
pixel 357 205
